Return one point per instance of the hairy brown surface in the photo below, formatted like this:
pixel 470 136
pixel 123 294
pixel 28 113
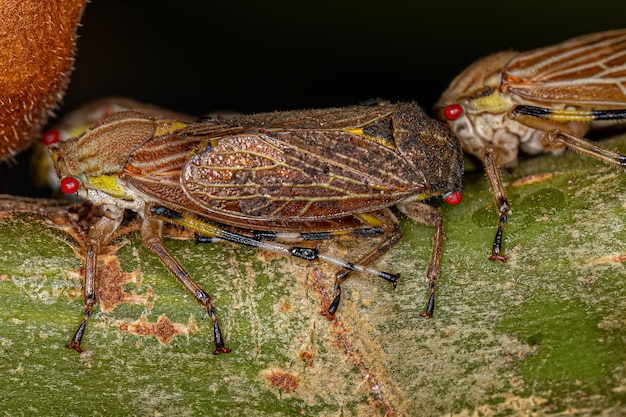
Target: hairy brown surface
pixel 37 45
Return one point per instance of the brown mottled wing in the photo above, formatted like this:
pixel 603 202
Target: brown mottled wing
pixel 588 71
pixel 295 175
pixel 277 170
pixel 154 169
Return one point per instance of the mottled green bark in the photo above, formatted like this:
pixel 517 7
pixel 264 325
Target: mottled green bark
pixel 543 333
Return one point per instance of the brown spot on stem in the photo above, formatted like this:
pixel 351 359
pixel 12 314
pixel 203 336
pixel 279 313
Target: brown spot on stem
pixel 282 380
pixel 614 259
pixel 533 179
pixel 110 284
pixel 164 330
pixel 305 355
pixel 343 341
pixel 284 307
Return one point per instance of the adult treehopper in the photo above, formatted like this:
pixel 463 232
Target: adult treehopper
pixel 267 181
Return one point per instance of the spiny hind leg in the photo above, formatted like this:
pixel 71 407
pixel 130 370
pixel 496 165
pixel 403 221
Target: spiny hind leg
pixel 381 224
pixel 210 232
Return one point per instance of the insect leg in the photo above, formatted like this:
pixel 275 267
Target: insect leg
pixel 369 231
pixel 585 147
pixel 213 232
pixel 151 235
pixel 492 170
pixel 375 226
pixel 388 225
pixel 100 234
pixel 524 114
pixel 428 215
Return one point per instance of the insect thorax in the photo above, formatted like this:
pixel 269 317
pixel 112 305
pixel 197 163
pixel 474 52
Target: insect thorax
pixel 500 132
pixel 134 202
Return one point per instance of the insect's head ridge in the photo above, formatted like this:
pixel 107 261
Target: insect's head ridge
pixel 474 85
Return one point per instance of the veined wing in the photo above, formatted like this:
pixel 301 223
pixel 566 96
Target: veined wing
pixel 295 175
pixel 154 168
pixel 587 71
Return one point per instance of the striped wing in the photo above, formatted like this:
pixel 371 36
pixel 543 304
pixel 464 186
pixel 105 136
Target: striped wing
pixel 154 169
pixel 295 175
pixel 588 71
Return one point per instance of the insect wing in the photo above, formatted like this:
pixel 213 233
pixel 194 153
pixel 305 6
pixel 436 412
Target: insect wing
pixel 588 71
pixel 154 169
pixel 294 175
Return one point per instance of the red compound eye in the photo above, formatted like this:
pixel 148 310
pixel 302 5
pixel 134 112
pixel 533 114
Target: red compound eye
pixel 70 185
pixel 453 112
pixel 453 198
pixel 50 137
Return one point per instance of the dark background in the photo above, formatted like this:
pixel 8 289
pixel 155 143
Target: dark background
pixel 251 56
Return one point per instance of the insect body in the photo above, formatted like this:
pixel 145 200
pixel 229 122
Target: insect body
pixel 537 101
pixel 264 180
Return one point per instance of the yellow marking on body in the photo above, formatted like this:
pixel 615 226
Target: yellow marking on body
pixel 494 103
pixel 164 127
pixel 205 229
pixel 370 219
pixel 442 139
pixel 422 196
pixel 108 184
pixel 358 131
pixel 208 145
pixel 564 116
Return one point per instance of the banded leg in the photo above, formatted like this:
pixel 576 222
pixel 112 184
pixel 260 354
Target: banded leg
pixel 368 231
pixel 547 119
pixel 384 222
pixel 526 114
pixel 429 216
pixel 99 235
pixel 492 170
pixel 376 224
pixel 211 232
pixel 151 235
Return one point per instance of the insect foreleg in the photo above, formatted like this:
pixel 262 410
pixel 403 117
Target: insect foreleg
pixel 100 234
pixel 492 170
pixel 545 119
pixel 428 215
pixel 151 235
